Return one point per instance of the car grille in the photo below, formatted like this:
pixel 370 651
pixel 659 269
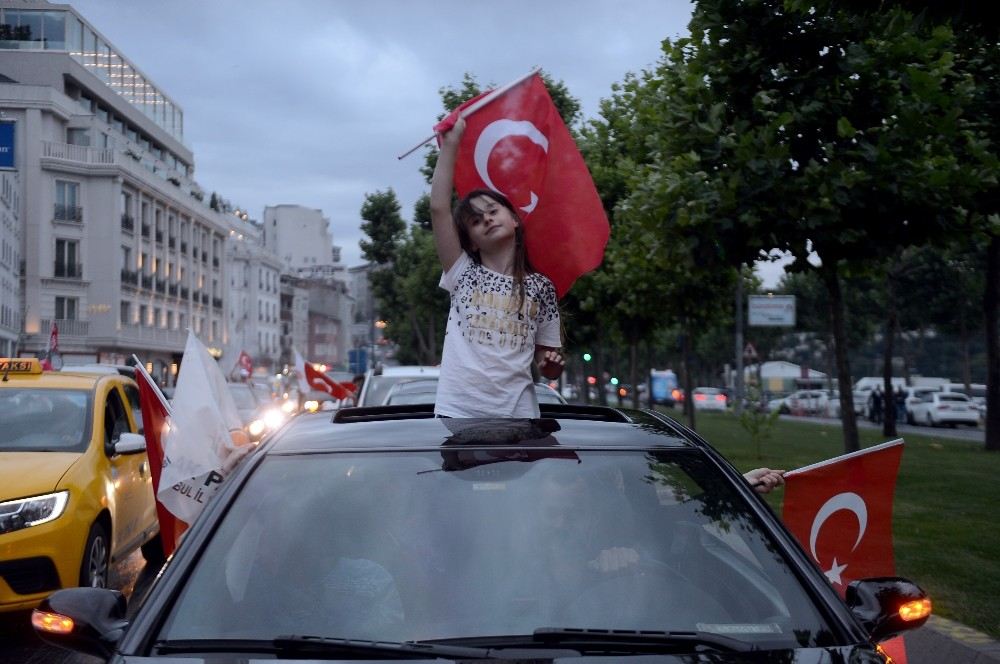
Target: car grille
pixel 30 575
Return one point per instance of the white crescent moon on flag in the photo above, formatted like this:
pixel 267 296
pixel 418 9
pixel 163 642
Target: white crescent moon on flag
pixel 851 502
pixel 495 132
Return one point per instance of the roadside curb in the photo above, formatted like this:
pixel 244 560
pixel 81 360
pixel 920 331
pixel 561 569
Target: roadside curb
pixel 943 640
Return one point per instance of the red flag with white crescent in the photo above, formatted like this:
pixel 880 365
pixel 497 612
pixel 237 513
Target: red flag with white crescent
pixel 321 382
pixel 840 510
pixel 519 146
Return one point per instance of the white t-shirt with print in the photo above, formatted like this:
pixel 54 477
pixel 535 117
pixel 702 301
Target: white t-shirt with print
pixel 489 343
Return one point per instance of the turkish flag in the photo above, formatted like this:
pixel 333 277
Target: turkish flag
pixel 519 146
pixel 840 510
pixel 320 381
pixel 155 417
pixel 245 362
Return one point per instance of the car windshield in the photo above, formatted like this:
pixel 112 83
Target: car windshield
pixel 488 542
pixel 379 387
pixel 42 420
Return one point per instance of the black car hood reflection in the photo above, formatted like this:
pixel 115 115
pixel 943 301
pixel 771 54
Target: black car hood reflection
pixel 860 654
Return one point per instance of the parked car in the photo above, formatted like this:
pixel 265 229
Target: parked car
pixel 949 408
pixel 804 402
pixel 709 398
pixel 379 381
pixel 590 533
pixel 76 493
pixel 913 396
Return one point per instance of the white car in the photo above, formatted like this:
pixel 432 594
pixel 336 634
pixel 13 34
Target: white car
pixel 379 381
pixel 949 408
pixel 709 398
pixel 803 402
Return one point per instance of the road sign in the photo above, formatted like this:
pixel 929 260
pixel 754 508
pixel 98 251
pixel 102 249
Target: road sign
pixel 771 311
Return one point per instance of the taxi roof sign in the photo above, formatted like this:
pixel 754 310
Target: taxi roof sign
pixel 20 365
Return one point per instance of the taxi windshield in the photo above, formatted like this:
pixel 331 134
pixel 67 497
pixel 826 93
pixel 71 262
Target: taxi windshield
pixel 488 542
pixel 43 420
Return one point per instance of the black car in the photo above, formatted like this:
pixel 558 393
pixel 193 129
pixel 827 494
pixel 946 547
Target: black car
pixel 389 534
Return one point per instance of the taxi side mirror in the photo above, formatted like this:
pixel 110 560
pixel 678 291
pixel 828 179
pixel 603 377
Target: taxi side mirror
pixel 887 606
pixel 87 620
pixel 130 443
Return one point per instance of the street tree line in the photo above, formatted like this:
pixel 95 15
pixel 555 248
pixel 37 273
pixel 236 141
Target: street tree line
pixel 859 138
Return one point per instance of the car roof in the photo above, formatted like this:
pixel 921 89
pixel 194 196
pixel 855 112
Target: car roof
pixel 414 427
pixel 53 380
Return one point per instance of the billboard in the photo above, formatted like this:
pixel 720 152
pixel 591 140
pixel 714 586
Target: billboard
pixel 7 145
pixel 771 310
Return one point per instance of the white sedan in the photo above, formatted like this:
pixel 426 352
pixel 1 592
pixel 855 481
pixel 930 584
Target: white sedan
pixel 709 398
pixel 949 408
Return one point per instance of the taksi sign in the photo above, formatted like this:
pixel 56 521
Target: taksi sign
pixel 771 310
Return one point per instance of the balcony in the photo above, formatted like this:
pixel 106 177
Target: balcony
pixel 185 292
pixel 161 285
pixel 159 237
pixel 73 213
pixel 67 327
pixel 147 281
pixel 145 230
pixel 217 302
pixel 128 223
pixel 68 270
pixel 81 154
pixel 129 277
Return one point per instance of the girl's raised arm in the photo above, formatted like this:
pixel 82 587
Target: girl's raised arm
pixel 445 236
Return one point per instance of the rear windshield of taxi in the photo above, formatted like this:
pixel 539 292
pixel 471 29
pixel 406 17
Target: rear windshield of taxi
pixel 44 420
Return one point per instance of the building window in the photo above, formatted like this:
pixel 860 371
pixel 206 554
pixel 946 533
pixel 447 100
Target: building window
pixel 125 313
pixel 157 319
pixel 143 314
pixel 66 308
pixel 127 258
pixel 67 254
pixel 68 201
pixel 170 320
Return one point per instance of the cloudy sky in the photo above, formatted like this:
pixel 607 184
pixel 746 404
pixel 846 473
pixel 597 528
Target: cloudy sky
pixel 311 101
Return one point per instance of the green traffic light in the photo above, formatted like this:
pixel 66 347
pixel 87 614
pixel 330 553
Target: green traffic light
pixel 587 357
pixel 614 381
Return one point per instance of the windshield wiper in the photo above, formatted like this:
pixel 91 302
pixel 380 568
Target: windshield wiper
pixel 304 644
pixel 620 640
pixel 563 640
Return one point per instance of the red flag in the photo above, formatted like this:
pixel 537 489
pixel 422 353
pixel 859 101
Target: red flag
pixel 840 510
pixel 518 145
pixel 53 339
pixel 246 364
pixel 320 381
pixel 155 416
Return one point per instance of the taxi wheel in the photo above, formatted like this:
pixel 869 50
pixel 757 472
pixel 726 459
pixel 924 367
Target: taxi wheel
pixel 94 569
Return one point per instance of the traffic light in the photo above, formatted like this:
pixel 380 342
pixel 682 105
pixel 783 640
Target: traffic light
pixel 591 380
pixel 587 357
pixel 614 381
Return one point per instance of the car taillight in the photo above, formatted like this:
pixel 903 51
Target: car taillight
pixel 699 397
pixel 720 397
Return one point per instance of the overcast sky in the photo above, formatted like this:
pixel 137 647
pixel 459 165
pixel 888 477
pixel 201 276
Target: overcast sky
pixel 310 102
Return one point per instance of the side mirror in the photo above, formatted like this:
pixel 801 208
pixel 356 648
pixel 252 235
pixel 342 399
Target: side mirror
pixel 130 443
pixel 87 620
pixel 888 606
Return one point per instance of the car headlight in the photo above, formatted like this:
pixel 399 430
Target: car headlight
pixel 273 418
pixel 256 428
pixel 34 511
pixel 289 406
pixel 312 406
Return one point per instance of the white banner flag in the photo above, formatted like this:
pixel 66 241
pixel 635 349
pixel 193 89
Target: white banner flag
pixel 300 373
pixel 198 451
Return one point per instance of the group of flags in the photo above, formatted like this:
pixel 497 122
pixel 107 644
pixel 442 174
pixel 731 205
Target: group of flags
pixel 195 441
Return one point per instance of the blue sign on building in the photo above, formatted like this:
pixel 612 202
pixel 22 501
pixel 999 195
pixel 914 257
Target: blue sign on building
pixel 357 360
pixel 7 145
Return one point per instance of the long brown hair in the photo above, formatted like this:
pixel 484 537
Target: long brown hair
pixel 463 215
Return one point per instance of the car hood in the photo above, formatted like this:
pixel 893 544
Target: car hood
pixel 860 654
pixel 32 473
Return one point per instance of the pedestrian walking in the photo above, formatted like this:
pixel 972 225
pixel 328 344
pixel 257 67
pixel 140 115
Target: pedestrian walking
pixel 876 402
pixel 504 315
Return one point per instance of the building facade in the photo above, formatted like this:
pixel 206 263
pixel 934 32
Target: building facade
pixel 254 297
pixel 119 249
pixel 10 262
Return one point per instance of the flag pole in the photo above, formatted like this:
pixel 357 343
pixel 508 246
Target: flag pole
pixel 473 108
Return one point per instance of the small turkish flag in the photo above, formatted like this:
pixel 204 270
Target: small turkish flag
pixel 519 146
pixel 245 362
pixel 321 382
pixel 840 510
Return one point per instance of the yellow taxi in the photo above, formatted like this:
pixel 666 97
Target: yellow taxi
pixel 76 493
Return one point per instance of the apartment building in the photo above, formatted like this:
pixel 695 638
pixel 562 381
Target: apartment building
pixel 118 246
pixel 10 261
pixel 254 297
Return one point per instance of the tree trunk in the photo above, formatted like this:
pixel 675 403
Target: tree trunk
pixel 991 309
pixel 688 378
pixel 832 281
pixel 889 410
pixel 963 335
pixel 649 375
pixel 602 394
